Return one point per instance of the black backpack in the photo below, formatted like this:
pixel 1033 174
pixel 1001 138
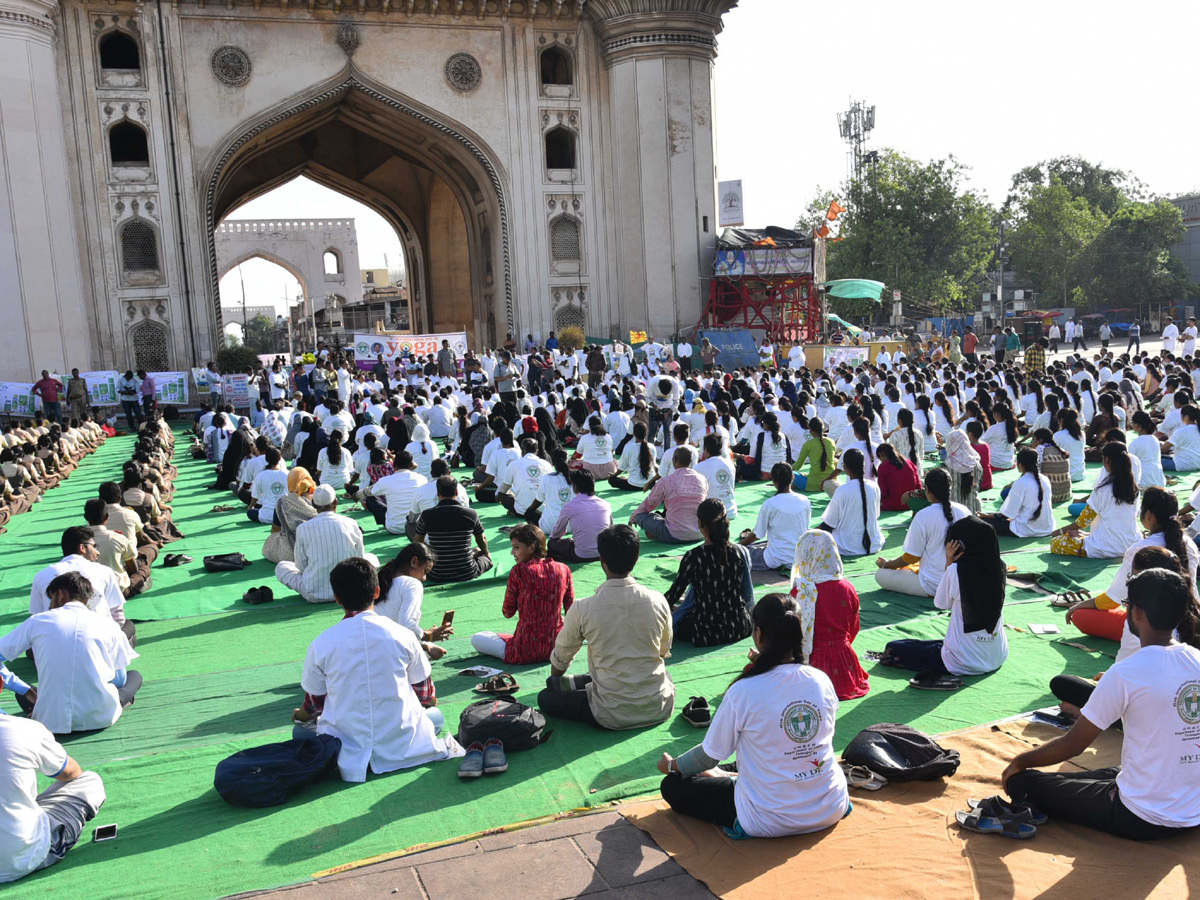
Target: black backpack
pixel 901 753
pixel 269 775
pixel 518 726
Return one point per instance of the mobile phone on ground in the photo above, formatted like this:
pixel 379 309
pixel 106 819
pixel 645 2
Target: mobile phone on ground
pixel 448 618
pixel 104 833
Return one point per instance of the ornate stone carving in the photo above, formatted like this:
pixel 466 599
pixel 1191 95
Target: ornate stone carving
pixel 347 38
pixel 231 65
pixel 463 72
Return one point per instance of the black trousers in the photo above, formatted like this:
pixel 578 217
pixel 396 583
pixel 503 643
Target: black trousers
pixel 487 494
pixel 133 684
pixel 916 656
pixel 377 508
pixel 509 502
pixel 1000 525
pixel 245 496
pixel 1086 798
pixel 1072 689
pixel 572 705
pixel 621 483
pixel 131 633
pixel 702 797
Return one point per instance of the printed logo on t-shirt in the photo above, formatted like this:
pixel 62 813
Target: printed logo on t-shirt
pixel 801 721
pixel 533 473
pixel 564 494
pixel 722 477
pixel 1187 703
pixel 601 443
pixel 277 489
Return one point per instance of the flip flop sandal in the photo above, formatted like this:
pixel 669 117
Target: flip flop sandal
pixel 935 681
pixel 222 508
pixel 862 778
pixel 498 684
pixel 998 807
pixel 981 824
pixel 1064 600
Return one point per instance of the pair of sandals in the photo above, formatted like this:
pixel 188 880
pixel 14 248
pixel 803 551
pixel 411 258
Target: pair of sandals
pixel 862 778
pixel 935 681
pixel 487 758
pixel 1067 599
pixel 995 815
pixel 224 507
pixel 258 595
pixel 500 685
pixel 175 559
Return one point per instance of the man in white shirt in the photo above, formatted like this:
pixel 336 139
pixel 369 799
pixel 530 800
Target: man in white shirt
pixel 782 521
pixel 664 392
pixel 390 499
pixel 365 667
pixel 268 487
pixel 338 419
pixel 80 555
pixel 683 352
pixel 37 830
pixel 1155 694
pixel 720 474
pixel 519 483
pixel 321 543
pixel 1189 338
pixel 81 660
pixel 1170 334
pixel 441 417
pixel 497 466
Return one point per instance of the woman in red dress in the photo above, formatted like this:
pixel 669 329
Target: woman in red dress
pixel 828 614
pixel 897 477
pixel 541 590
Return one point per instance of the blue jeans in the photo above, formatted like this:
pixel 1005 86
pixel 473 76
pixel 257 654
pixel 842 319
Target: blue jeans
pixel 50 407
pixel 1004 492
pixel 133 413
pixel 655 526
pixel 1168 464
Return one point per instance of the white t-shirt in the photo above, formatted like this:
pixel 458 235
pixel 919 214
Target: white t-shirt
pixel 268 489
pixel 403 604
pixel 782 520
pixel 596 449
pixel 976 653
pixel 720 475
pixel 845 515
pixel 780 725
pixel 553 492
pixel 397 491
pixel 1026 518
pixel 1156 695
pixel 426 497
pixel 772 452
pixel 1170 335
pixel 27 748
pixel 1115 528
pixel 630 464
pixel 1118 591
pixel 497 464
pixel 366 666
pixel 1186 441
pixel 334 475
pixel 926 538
pixel 1147 450
pixel 1074 447
pixel 523 476
pixel 996 437
pixel 423 454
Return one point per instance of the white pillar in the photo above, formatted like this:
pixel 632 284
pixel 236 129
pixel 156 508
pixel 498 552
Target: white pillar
pixel 660 93
pixel 45 322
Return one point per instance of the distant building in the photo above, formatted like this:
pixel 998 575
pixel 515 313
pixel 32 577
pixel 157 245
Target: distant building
pixel 1189 249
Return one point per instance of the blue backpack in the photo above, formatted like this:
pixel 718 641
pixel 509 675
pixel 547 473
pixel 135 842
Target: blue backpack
pixel 270 774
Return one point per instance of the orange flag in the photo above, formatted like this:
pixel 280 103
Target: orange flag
pixel 835 210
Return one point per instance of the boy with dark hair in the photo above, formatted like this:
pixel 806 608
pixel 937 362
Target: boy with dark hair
pixel 586 516
pixel 1155 693
pixel 364 670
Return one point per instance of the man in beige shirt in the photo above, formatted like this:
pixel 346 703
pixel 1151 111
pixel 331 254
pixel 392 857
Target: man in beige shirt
pixel 121 518
pixel 115 550
pixel 627 628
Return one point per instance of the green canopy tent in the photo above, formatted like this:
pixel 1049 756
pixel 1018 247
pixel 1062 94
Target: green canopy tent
pixel 855 289
pixel 838 320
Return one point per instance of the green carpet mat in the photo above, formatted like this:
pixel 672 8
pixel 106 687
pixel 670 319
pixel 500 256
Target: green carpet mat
pixel 222 676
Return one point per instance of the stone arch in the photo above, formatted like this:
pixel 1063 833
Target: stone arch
pixel 460 158
pixel 128 144
pixel 333 256
pixel 295 271
pixel 556 66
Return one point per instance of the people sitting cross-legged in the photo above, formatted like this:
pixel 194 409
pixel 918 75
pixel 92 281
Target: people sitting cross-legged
pixel 365 672
pixel 519 482
pixel 268 487
pixel 450 528
pixel 782 519
pixel 1111 513
pixel 81 555
pixel 1155 694
pixel 390 499
pixel 321 543
pixel 828 613
pixel 918 570
pixel 115 551
pixel 585 515
pixel 638 462
pixel 81 660
pixel 678 493
pixel 1026 510
pixel 292 510
pixel 778 717
pixel 972 588
pixel 852 516
pixel 713 593
pixel 627 629
pixel 37 829
pixel 539 590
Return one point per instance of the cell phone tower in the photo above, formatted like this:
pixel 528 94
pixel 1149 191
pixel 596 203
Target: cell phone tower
pixel 855 126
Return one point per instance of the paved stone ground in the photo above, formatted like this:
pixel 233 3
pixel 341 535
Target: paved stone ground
pixel 600 855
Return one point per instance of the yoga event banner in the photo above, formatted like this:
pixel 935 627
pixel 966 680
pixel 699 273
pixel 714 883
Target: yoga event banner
pixel 170 387
pixel 235 389
pixel 395 346
pixel 17 399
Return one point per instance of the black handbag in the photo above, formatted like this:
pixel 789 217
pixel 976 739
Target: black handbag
pixel 269 775
pixel 225 562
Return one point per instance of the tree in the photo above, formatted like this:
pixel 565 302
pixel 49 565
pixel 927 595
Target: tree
pixel 914 226
pixel 1131 261
pixel 236 359
pixel 1105 190
pixel 1051 239
pixel 259 334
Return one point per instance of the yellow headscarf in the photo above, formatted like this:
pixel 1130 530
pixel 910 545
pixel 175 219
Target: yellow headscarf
pixel 300 482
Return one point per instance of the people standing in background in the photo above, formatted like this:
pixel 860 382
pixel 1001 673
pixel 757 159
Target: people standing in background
pixel 77 395
pixel 1170 334
pixel 48 389
pixel 1105 334
pixel 1135 336
pixel 683 351
pixel 1055 335
pixel 128 387
pixel 1077 341
pixel 147 389
pixel 1189 338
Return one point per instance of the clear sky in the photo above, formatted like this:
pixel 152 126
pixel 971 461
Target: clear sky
pixel 1000 86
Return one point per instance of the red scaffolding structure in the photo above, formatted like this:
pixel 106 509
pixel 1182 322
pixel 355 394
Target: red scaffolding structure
pixel 787 308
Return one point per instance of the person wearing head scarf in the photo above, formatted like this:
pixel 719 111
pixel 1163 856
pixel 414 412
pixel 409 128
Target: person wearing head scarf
pixel 424 449
pixel 291 511
pixel 972 589
pixel 966 471
pixel 241 444
pixel 828 613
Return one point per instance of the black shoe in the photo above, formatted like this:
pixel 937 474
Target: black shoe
pixel 258 595
pixel 697 712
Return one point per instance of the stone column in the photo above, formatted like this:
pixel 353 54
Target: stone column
pixel 45 322
pixel 659 55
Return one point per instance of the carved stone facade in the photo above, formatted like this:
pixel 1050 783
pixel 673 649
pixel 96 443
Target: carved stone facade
pixel 545 162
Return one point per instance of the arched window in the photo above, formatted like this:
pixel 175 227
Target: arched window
pixel 556 67
pixel 149 342
pixel 127 145
pixel 120 51
pixel 560 148
pixel 568 316
pixel 139 247
pixel 333 262
pixel 564 240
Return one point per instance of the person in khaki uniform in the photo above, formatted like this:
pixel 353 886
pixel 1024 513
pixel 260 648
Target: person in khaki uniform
pixel 77 395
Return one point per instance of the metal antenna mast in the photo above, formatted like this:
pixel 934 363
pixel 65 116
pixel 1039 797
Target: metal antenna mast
pixel 855 126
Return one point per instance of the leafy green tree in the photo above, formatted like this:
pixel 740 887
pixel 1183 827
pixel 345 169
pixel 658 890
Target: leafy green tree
pixel 914 226
pixel 1053 233
pixel 1105 190
pixel 236 359
pixel 259 334
pixel 1131 262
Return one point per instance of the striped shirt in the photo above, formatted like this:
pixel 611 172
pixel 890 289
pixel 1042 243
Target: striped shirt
pixel 450 530
pixel 321 543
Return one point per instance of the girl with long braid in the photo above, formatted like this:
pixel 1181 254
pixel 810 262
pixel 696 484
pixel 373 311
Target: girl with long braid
pixel 905 439
pixel 1069 438
pixel 638 462
pixel 924 420
pixel 897 477
pixel 852 516
pixel 1111 512
pixel 820 454
pixel 1001 438
pixel 1026 510
pixel 919 569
